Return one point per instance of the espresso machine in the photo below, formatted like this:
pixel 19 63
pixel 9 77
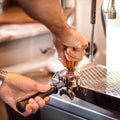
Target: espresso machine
pixel 90 85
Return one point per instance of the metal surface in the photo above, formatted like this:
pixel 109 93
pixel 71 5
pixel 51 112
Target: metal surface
pixel 82 108
pixel 93 18
pixel 101 79
pixel 98 80
pixel 102 87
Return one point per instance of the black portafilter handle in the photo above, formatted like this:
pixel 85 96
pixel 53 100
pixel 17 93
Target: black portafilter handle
pixel 93 11
pixel 22 104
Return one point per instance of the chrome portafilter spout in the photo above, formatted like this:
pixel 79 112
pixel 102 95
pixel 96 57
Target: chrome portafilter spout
pixel 71 79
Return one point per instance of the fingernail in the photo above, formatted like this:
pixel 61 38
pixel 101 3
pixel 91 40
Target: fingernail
pixel 31 101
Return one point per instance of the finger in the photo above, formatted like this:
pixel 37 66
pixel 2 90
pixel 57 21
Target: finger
pixel 85 43
pixel 47 99
pixel 34 106
pixel 76 54
pixel 28 111
pixel 63 61
pixel 40 102
pixel 76 63
pixel 70 57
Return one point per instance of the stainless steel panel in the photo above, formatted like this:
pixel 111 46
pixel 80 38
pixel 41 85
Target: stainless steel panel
pixel 102 87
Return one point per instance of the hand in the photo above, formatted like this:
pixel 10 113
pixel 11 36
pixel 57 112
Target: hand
pixel 70 46
pixel 17 87
pixel 69 43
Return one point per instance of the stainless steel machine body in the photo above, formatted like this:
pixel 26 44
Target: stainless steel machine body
pixel 102 86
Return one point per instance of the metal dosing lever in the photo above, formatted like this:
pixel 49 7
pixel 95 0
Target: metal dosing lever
pixel 93 17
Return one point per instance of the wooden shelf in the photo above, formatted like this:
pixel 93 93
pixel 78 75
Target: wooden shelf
pixel 15 15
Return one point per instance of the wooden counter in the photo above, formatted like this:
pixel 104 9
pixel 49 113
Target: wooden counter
pixel 15 15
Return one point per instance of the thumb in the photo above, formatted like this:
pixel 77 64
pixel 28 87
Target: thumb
pixel 42 88
pixel 70 54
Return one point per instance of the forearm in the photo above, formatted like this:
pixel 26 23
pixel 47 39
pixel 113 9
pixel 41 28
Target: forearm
pixel 48 12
